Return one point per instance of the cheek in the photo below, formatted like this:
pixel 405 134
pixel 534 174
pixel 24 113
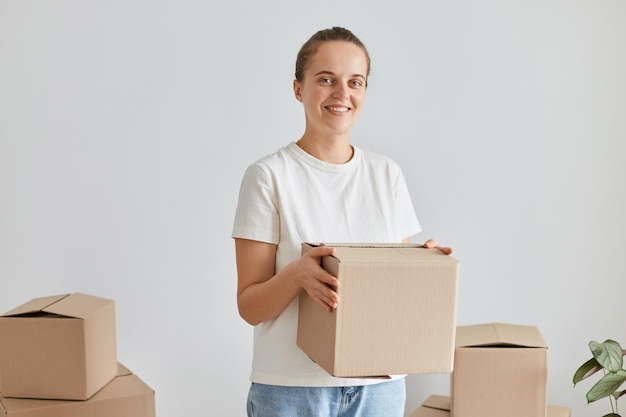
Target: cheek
pixel 314 98
pixel 359 99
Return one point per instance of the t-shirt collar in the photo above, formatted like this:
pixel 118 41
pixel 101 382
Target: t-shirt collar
pixel 309 159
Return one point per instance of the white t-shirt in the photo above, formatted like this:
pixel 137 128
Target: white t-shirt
pixel 291 197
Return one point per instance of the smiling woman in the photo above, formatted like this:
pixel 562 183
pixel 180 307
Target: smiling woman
pixel 333 93
pixel 320 188
pixel 332 89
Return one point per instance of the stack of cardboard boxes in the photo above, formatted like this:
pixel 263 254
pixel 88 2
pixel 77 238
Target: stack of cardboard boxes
pixel 58 357
pixel 398 316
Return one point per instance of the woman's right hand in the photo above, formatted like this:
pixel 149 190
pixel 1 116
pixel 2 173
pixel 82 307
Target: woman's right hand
pixel 263 293
pixel 319 284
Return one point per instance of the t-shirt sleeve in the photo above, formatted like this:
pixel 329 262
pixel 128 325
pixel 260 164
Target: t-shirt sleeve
pixel 408 225
pixel 256 217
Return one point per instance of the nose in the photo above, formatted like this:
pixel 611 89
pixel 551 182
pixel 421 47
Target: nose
pixel 341 92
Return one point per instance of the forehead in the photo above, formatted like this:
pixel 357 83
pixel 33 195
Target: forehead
pixel 338 56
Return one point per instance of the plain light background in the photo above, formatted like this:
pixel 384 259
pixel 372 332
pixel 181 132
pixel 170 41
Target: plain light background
pixel 125 128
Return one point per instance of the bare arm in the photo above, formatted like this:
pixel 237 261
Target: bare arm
pixel 262 294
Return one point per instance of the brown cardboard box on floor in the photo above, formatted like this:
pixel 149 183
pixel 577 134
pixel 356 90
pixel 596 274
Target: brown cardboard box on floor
pixel 125 396
pixel 396 315
pixel 499 370
pixel 439 406
pixel 58 347
pixel 434 406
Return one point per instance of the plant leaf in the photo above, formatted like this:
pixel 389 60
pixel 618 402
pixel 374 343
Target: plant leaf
pixel 586 370
pixel 611 415
pixel 608 354
pixel 618 394
pixel 606 386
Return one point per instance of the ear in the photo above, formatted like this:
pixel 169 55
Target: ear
pixel 297 90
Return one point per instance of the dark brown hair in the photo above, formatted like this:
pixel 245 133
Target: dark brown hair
pixel 326 35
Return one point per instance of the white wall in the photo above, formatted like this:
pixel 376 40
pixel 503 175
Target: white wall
pixel 125 127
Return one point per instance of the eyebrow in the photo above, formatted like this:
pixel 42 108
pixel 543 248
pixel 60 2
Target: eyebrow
pixel 325 72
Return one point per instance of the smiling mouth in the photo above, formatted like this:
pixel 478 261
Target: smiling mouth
pixel 338 109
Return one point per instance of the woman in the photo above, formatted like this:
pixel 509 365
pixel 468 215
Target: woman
pixel 320 189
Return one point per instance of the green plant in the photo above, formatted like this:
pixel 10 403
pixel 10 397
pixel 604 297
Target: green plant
pixel 608 357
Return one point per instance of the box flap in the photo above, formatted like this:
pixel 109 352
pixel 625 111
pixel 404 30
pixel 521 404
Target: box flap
pixel 439 402
pixel 77 305
pixel 499 334
pixel 34 306
pixel 74 305
pixel 122 370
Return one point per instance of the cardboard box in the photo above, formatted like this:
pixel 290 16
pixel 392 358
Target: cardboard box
pixel 397 313
pixel 499 369
pixel 58 347
pixel 439 406
pixel 434 406
pixel 125 396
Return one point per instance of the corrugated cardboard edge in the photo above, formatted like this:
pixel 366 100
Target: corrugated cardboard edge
pixel 409 252
pixel 363 245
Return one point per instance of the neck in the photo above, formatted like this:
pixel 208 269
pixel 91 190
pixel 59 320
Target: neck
pixel 334 150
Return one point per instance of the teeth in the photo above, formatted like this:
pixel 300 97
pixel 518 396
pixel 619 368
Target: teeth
pixel 338 109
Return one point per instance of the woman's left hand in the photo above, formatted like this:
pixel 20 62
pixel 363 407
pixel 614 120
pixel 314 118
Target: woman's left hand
pixel 432 243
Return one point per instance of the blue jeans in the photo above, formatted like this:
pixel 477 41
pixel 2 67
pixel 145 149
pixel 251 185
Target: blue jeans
pixel 386 399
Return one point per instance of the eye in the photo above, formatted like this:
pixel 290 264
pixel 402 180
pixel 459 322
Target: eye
pixel 356 83
pixel 326 80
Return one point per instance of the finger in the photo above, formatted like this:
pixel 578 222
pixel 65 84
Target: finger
pixel 326 293
pixel 324 305
pixel 329 300
pixel 430 243
pixel 321 251
pixel 327 279
pixel 319 273
pixel 445 250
